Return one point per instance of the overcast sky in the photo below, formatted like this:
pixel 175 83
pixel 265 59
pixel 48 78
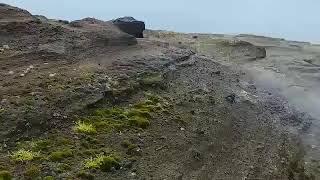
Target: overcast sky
pixel 290 19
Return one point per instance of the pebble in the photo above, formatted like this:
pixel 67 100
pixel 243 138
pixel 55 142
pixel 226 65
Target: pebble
pixel 5 47
pixel 56 114
pixel 22 75
pixel 10 72
pixel 133 174
pixel 182 129
pixel 260 147
pixel 4 101
pixel 52 75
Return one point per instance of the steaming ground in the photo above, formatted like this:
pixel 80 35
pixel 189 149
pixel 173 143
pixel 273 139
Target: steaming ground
pixel 288 77
pixel 293 72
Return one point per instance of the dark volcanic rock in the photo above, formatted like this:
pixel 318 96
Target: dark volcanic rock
pixel 261 52
pixel 130 26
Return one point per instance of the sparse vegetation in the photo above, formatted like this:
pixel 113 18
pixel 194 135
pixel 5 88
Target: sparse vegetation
pixel 2 110
pixel 140 122
pixel 63 167
pixel 5 175
pixel 32 172
pixel 105 163
pixel 137 115
pixel 129 145
pixel 151 79
pixel 60 155
pixel 83 127
pixel 48 178
pixel 24 155
pixel 35 145
pixel 85 175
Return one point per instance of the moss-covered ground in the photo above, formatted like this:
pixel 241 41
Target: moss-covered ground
pixel 81 149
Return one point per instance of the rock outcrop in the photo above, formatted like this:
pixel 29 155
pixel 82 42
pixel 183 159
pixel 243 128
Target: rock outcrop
pixel 131 26
pixel 27 32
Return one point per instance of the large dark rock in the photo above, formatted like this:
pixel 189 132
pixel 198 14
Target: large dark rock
pixel 131 26
pixel 261 52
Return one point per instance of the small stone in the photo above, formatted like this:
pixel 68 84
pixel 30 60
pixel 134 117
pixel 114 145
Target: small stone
pixel 133 174
pixel 52 75
pixel 123 76
pixel 22 75
pixel 45 63
pixel 4 101
pixel 182 129
pixel 231 98
pixel 260 147
pixel 127 164
pixel 1 50
pixel 5 47
pixel 31 67
pixel 27 70
pixel 10 72
pixel 107 87
pixel 217 72
pixel 196 154
pixel 56 115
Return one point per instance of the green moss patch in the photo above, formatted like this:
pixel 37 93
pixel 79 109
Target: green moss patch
pixel 32 172
pixel 85 175
pixel 60 152
pixel 5 175
pixel 102 162
pixel 84 127
pixel 136 115
pixel 48 178
pixel 24 155
pixel 60 155
pixel 63 167
pixel 140 122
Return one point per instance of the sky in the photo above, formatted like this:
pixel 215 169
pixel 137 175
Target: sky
pixel 290 19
